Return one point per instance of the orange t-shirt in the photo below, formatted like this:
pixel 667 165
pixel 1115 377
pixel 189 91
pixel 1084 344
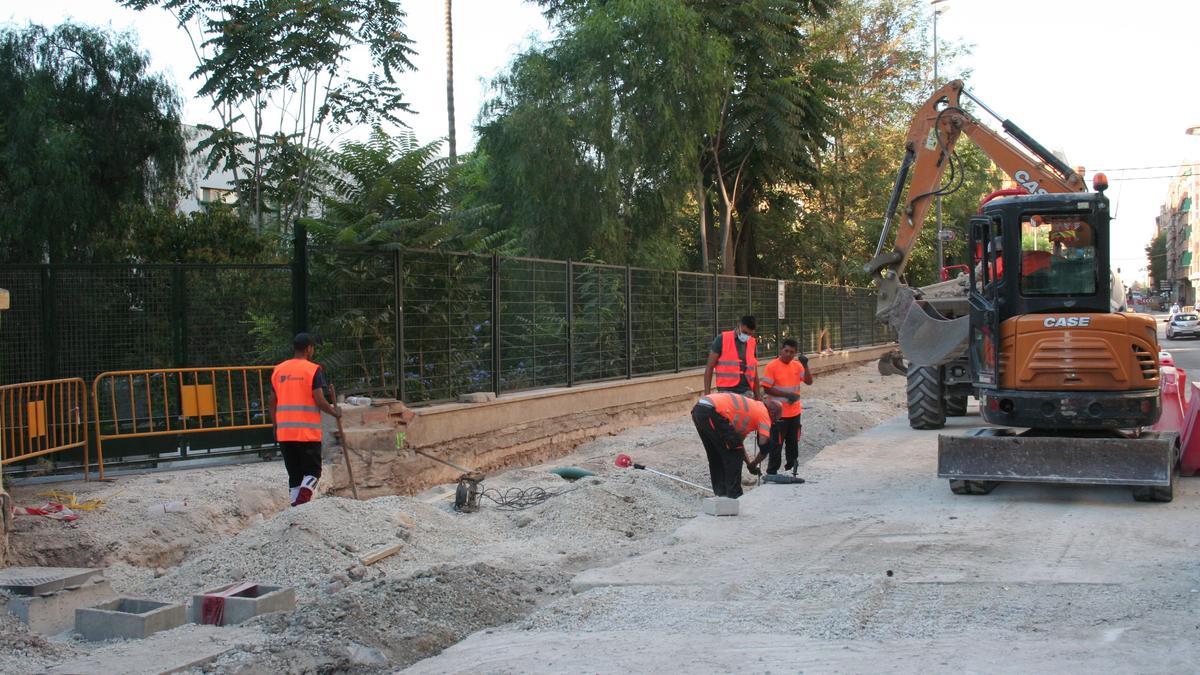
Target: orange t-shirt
pixel 744 413
pixel 785 377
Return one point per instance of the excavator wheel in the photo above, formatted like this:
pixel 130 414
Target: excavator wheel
pixel 972 487
pixel 1155 493
pixel 926 405
pixel 956 406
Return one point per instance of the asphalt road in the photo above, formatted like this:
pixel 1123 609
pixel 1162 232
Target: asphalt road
pixel 1185 350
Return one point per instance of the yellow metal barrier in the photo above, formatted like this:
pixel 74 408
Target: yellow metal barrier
pixel 42 418
pixel 174 401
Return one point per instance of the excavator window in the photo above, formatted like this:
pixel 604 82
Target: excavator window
pixel 1058 256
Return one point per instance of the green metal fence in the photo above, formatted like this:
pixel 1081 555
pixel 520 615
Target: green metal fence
pixel 478 323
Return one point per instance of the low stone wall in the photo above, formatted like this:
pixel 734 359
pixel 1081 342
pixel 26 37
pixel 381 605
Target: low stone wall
pixel 515 430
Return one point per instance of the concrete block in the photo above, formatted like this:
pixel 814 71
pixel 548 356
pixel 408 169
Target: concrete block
pixel 128 618
pixel 247 604
pixel 720 506
pixel 54 613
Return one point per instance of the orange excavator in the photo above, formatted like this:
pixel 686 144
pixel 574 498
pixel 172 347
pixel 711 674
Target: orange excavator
pixel 1035 328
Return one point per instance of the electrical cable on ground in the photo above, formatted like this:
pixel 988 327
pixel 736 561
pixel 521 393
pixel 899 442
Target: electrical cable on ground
pixel 517 499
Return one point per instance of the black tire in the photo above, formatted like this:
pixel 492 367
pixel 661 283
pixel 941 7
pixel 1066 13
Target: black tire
pixel 972 487
pixel 956 406
pixel 1156 493
pixel 926 404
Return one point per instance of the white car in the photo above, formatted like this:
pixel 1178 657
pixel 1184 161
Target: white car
pixel 1183 325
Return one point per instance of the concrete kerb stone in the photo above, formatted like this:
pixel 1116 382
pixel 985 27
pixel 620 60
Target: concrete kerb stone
pixel 128 618
pixel 240 607
pixel 720 506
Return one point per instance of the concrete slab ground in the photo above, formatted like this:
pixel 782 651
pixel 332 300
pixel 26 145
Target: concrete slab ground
pixel 874 566
pixel 173 651
pixel 128 619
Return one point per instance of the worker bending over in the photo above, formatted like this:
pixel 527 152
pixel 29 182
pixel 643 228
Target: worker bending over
pixel 732 357
pixel 781 382
pixel 723 421
pixel 296 400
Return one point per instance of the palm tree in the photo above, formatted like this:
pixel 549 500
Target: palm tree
pixel 450 80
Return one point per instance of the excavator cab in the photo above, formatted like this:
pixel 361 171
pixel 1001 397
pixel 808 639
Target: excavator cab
pixel 1043 322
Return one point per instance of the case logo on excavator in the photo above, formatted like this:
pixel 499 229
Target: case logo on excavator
pixel 1067 321
pixel 1029 183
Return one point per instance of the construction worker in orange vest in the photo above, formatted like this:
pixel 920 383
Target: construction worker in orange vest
pixel 781 382
pixel 732 357
pixel 723 421
pixel 296 400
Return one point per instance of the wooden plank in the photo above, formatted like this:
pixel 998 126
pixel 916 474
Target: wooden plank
pixel 381 553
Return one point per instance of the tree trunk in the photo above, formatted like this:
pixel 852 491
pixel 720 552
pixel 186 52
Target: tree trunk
pixel 727 243
pixel 451 137
pixel 702 201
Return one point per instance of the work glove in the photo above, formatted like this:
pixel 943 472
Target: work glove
pixel 755 469
pixel 792 398
pixel 802 359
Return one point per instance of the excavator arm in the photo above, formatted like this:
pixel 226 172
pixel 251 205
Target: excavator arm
pixel 928 153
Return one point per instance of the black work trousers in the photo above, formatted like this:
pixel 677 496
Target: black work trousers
pixel 723 445
pixel 301 459
pixel 785 431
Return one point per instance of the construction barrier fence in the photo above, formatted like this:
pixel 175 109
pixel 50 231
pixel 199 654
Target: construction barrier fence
pixel 43 418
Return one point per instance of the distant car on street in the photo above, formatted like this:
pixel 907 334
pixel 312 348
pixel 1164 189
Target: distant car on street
pixel 1183 325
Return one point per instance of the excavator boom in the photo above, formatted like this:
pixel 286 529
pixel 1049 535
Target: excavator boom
pixel 928 153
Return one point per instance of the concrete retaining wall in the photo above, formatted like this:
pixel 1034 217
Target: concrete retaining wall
pixel 514 430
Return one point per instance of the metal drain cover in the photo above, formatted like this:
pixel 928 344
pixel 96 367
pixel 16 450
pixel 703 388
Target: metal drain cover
pixel 42 580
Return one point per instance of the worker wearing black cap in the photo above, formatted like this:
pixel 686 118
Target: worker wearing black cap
pixel 296 401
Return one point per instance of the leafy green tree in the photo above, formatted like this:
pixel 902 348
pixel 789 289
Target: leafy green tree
pixel 826 229
pixel 592 140
pixel 86 132
pixel 1156 259
pixel 274 70
pixel 215 234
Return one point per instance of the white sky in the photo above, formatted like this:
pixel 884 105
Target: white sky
pixel 1109 83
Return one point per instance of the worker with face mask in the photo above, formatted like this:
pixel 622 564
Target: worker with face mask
pixel 732 358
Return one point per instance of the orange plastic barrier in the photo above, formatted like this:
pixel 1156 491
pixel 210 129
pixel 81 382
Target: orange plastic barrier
pixel 42 418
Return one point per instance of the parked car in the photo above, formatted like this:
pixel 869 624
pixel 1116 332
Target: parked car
pixel 1183 325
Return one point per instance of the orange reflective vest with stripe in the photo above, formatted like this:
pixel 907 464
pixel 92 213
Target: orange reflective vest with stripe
pixel 745 414
pixel 729 368
pixel 297 417
pixel 785 377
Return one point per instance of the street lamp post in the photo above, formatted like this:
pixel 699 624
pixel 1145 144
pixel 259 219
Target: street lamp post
pixel 941 260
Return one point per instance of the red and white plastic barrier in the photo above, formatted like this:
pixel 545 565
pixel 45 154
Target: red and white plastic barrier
pixel 1170 379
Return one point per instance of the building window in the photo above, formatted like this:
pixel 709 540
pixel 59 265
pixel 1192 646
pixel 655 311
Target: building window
pixel 217 195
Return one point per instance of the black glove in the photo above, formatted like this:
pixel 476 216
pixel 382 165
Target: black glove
pixel 755 469
pixel 802 359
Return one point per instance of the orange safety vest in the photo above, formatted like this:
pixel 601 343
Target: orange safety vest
pixel 297 417
pixel 744 413
pixel 729 364
pixel 786 377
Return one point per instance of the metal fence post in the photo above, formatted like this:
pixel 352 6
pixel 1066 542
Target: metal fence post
pixel 398 303
pixel 676 328
pixel 628 322
pixel 496 323
pixel 570 323
pixel 49 325
pixel 179 315
pixel 716 303
pixel 842 316
pixel 299 277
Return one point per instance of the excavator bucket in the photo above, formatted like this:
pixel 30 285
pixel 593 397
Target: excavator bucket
pixel 929 339
pixel 926 337
pixel 1001 455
